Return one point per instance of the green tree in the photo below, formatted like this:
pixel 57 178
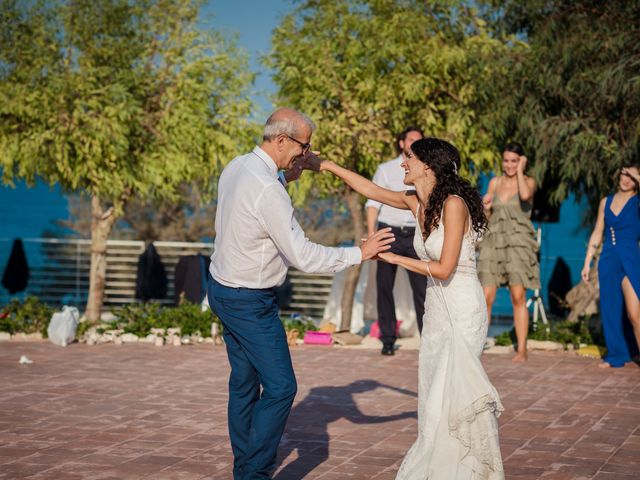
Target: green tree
pixel 365 69
pixel 573 94
pixel 120 99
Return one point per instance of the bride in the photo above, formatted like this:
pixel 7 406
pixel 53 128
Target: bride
pixel 457 405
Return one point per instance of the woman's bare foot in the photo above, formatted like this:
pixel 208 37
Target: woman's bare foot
pixel 520 357
pixel 604 365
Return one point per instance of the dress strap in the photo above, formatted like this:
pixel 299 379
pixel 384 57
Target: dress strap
pixel 468 232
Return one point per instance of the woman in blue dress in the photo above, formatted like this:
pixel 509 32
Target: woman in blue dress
pixel 619 268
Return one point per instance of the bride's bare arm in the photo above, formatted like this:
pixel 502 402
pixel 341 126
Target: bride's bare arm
pixel 454 218
pixel 369 189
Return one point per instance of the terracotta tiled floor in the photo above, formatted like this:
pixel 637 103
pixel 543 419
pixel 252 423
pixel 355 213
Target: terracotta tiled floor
pixel 138 411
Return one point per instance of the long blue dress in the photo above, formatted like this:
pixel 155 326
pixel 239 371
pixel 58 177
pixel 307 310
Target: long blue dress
pixel 620 257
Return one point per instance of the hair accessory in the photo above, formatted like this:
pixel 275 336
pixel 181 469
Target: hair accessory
pixel 455 167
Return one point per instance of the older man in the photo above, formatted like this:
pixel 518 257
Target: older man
pixel 257 240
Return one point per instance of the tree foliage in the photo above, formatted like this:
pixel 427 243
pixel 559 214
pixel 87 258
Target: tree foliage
pixel 365 69
pixel 119 99
pixel 573 95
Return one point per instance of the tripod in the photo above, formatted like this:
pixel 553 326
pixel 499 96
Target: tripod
pixel 538 304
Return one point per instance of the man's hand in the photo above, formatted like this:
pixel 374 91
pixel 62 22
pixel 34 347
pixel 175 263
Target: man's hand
pixel 377 243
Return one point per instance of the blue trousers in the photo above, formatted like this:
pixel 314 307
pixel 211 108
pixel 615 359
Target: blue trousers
pixel 618 332
pixel 259 357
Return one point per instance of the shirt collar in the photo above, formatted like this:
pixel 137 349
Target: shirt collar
pixel 264 156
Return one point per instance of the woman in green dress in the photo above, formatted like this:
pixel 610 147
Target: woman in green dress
pixel 508 251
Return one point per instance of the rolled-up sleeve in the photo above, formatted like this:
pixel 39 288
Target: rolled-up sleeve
pixel 276 216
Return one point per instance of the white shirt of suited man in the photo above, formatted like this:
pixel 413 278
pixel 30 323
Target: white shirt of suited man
pixel 390 175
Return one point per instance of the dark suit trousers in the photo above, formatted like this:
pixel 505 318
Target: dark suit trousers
pixel 385 279
pixel 259 356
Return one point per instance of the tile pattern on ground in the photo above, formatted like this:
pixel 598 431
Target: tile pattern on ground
pixel 138 411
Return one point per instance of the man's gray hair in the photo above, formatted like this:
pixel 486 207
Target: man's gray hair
pixel 287 125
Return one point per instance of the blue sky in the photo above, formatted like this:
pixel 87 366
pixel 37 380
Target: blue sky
pixel 253 21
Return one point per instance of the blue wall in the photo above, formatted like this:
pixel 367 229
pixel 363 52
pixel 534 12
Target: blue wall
pixel 27 212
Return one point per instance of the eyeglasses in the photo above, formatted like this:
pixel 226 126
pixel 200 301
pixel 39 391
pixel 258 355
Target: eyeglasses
pixel 305 146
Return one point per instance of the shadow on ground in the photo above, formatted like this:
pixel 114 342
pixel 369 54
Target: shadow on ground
pixel 307 427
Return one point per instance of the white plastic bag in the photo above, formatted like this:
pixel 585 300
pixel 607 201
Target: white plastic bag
pixel 62 328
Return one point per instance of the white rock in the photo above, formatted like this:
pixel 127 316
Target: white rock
pixel 489 342
pixel 176 341
pixel 500 349
pixel 107 317
pixel 157 331
pixel 5 336
pixel 173 331
pixel 159 341
pixel 545 345
pixel 24 360
pixel 371 342
pixel 207 340
pixel 117 340
pixel 27 337
pixel 129 338
pixel 151 338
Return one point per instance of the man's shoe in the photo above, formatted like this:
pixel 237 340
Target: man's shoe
pixel 388 349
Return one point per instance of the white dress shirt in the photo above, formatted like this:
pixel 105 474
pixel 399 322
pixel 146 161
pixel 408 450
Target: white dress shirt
pixel 390 175
pixel 257 236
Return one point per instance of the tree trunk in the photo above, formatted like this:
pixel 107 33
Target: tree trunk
pixel 353 273
pixel 101 223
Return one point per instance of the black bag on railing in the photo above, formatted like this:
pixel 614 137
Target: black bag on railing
pixel 151 280
pixel 16 274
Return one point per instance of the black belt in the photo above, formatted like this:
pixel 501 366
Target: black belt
pixel 402 231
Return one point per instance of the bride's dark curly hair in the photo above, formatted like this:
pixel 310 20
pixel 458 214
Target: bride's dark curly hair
pixel 444 160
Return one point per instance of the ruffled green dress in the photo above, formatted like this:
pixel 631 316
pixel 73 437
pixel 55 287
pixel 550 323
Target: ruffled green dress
pixel 508 251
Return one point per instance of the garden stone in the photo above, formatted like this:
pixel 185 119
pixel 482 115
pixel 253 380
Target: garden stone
pixel 117 340
pixel 159 341
pixel 176 341
pixel 500 349
pixel 129 338
pixel 5 336
pixel 173 331
pixel 93 338
pixel 157 331
pixel 151 338
pixel 490 342
pixel 545 345
pixel 208 340
pixel 107 317
pixel 111 335
pixel 27 337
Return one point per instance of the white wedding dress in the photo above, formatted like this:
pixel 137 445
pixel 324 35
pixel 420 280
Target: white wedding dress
pixel 457 404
